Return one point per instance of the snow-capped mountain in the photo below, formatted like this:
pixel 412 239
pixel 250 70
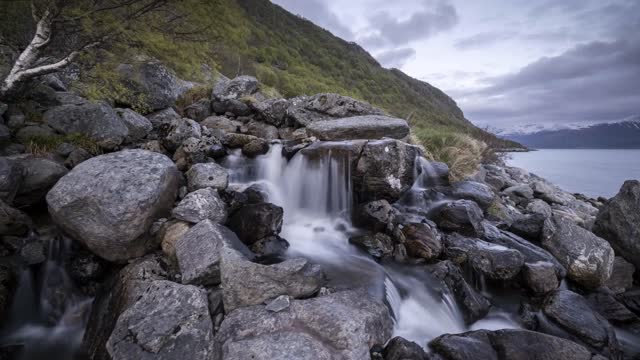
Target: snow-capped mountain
pixel 623 134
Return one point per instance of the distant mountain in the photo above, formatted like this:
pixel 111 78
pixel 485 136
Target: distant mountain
pixel 616 135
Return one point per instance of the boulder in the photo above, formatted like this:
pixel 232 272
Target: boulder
pixel 516 192
pixel 169 234
pixel 163 117
pixel 378 245
pixel 262 130
pixel 139 126
pixel 307 110
pixel 256 221
pixel 179 131
pixel 245 283
pixel 509 344
pixel 39 175
pixel 197 150
pixel 199 110
pixel 587 258
pixel 209 175
pixel 199 252
pixel 496 262
pixel 236 88
pixel 540 207
pixel 422 240
pixel 169 321
pixel 472 190
pixel 221 124
pixel 462 216
pixel 548 193
pixel 359 127
pixel 98 121
pixel 613 310
pixel 377 215
pixel 402 349
pixel 203 204
pixel 621 277
pixel 272 111
pixel 271 248
pixel 528 226
pixel 76 157
pixel 256 147
pixel 33 132
pixel 474 306
pixel 432 173
pixel 157 85
pixel 385 170
pixel 5 134
pixel 233 140
pixel 540 277
pixel 110 201
pixel 342 325
pixel 618 222
pixel 11 175
pixel 13 221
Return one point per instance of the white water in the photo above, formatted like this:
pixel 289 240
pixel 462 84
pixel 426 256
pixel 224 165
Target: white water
pixel 317 197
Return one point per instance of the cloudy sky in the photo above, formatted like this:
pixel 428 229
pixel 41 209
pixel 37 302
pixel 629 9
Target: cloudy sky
pixel 506 62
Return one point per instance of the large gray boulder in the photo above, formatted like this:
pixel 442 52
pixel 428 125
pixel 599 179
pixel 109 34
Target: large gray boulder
pixel 236 88
pixel 472 190
pixel 206 175
pixel 11 174
pixel 385 170
pixel 462 216
pixel 343 325
pixel 109 202
pixel 587 258
pixel 245 283
pixel 39 175
pixel 493 261
pixel 256 221
pixel 619 222
pixel 139 126
pixel 169 321
pixel 272 111
pixel 359 127
pixel 179 131
pixel 98 121
pixel 309 109
pixel 203 204
pixel 199 252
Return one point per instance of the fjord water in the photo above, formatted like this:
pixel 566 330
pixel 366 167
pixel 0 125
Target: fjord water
pixel 593 172
pixel 317 197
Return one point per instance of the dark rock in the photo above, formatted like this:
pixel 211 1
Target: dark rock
pixel 64 149
pixel 256 147
pixel 462 216
pixel 474 306
pixel 203 204
pixel 76 157
pixel 179 131
pixel 11 174
pixel 540 207
pixel 199 110
pixel 385 170
pixel 199 252
pixel 270 248
pixel 30 133
pixel 231 107
pixel 33 253
pixel 621 277
pixel 493 261
pixel 85 267
pixel 236 88
pixel 291 147
pixel 342 325
pixel 169 321
pixel 13 221
pixel 359 127
pixel 378 245
pixel 262 130
pixel 432 173
pixel 110 201
pixel 307 110
pixel 587 258
pixel 377 215
pixel 163 118
pixel 611 309
pixel 472 190
pixel 529 226
pixel 272 111
pixel 40 174
pixel 402 349
pixel 233 140
pixel 540 277
pixel 421 240
pixel 234 200
pixel 97 121
pixel 256 194
pixel 221 124
pixel 139 126
pixel 7 287
pixel 216 305
pixel 193 151
pixel 618 222
pixel 518 192
pixel 256 221
pixel 211 175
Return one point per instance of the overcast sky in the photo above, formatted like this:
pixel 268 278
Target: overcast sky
pixel 506 62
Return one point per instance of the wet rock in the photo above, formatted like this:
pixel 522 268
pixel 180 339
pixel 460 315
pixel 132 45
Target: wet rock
pixel 377 215
pixel 39 175
pixel 280 303
pixel 262 130
pixel 85 267
pixel 97 121
pixel 110 201
pixel 199 252
pixel 199 110
pixel 572 312
pixel 210 175
pixel 378 245
pixel 256 194
pixel 13 221
pixel 11 174
pixel 548 193
pixel 233 140
pixel 7 286
pixel 203 204
pixel 234 200
pixel 472 190
pixel 621 277
pixel 462 216
pixel 256 221
pixel 402 349
pixel 611 309
pixel 76 157
pixel 179 131
pixel 385 170
pixel 307 110
pixel 139 126
pixel 517 192
pixel 493 261
pixel 33 253
pixel 256 147
pixel 528 226
pixel 474 306
pixel 540 277
pixel 246 283
pixel 587 258
pixel 421 240
pixel 433 173
pixel 271 248
pixel 272 111
pixel 359 127
pixel 341 325
pixel 618 222
pixel 169 321
pixel 509 344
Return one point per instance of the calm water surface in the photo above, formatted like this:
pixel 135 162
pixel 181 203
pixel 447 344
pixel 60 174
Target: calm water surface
pixel 592 172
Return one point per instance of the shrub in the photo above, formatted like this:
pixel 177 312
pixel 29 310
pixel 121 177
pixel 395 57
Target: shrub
pixel 46 144
pixel 192 95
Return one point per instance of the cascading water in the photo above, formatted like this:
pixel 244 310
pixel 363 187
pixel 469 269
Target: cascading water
pixel 316 194
pixel 48 316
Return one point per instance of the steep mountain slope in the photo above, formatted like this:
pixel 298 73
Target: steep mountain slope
pixel 619 135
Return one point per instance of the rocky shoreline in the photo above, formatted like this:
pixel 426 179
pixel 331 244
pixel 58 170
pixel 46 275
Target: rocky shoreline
pixel 180 261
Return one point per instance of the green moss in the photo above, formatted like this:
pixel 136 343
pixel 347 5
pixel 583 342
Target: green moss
pixel 47 144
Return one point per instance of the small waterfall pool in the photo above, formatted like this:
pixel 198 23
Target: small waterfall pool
pixel 317 197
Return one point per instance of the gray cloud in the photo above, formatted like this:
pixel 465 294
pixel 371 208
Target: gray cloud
pixel 319 13
pixel 395 57
pixel 483 39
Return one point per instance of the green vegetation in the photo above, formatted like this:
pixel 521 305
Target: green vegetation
pixel 47 144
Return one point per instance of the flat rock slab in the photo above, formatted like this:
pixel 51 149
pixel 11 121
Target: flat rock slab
pixel 359 127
